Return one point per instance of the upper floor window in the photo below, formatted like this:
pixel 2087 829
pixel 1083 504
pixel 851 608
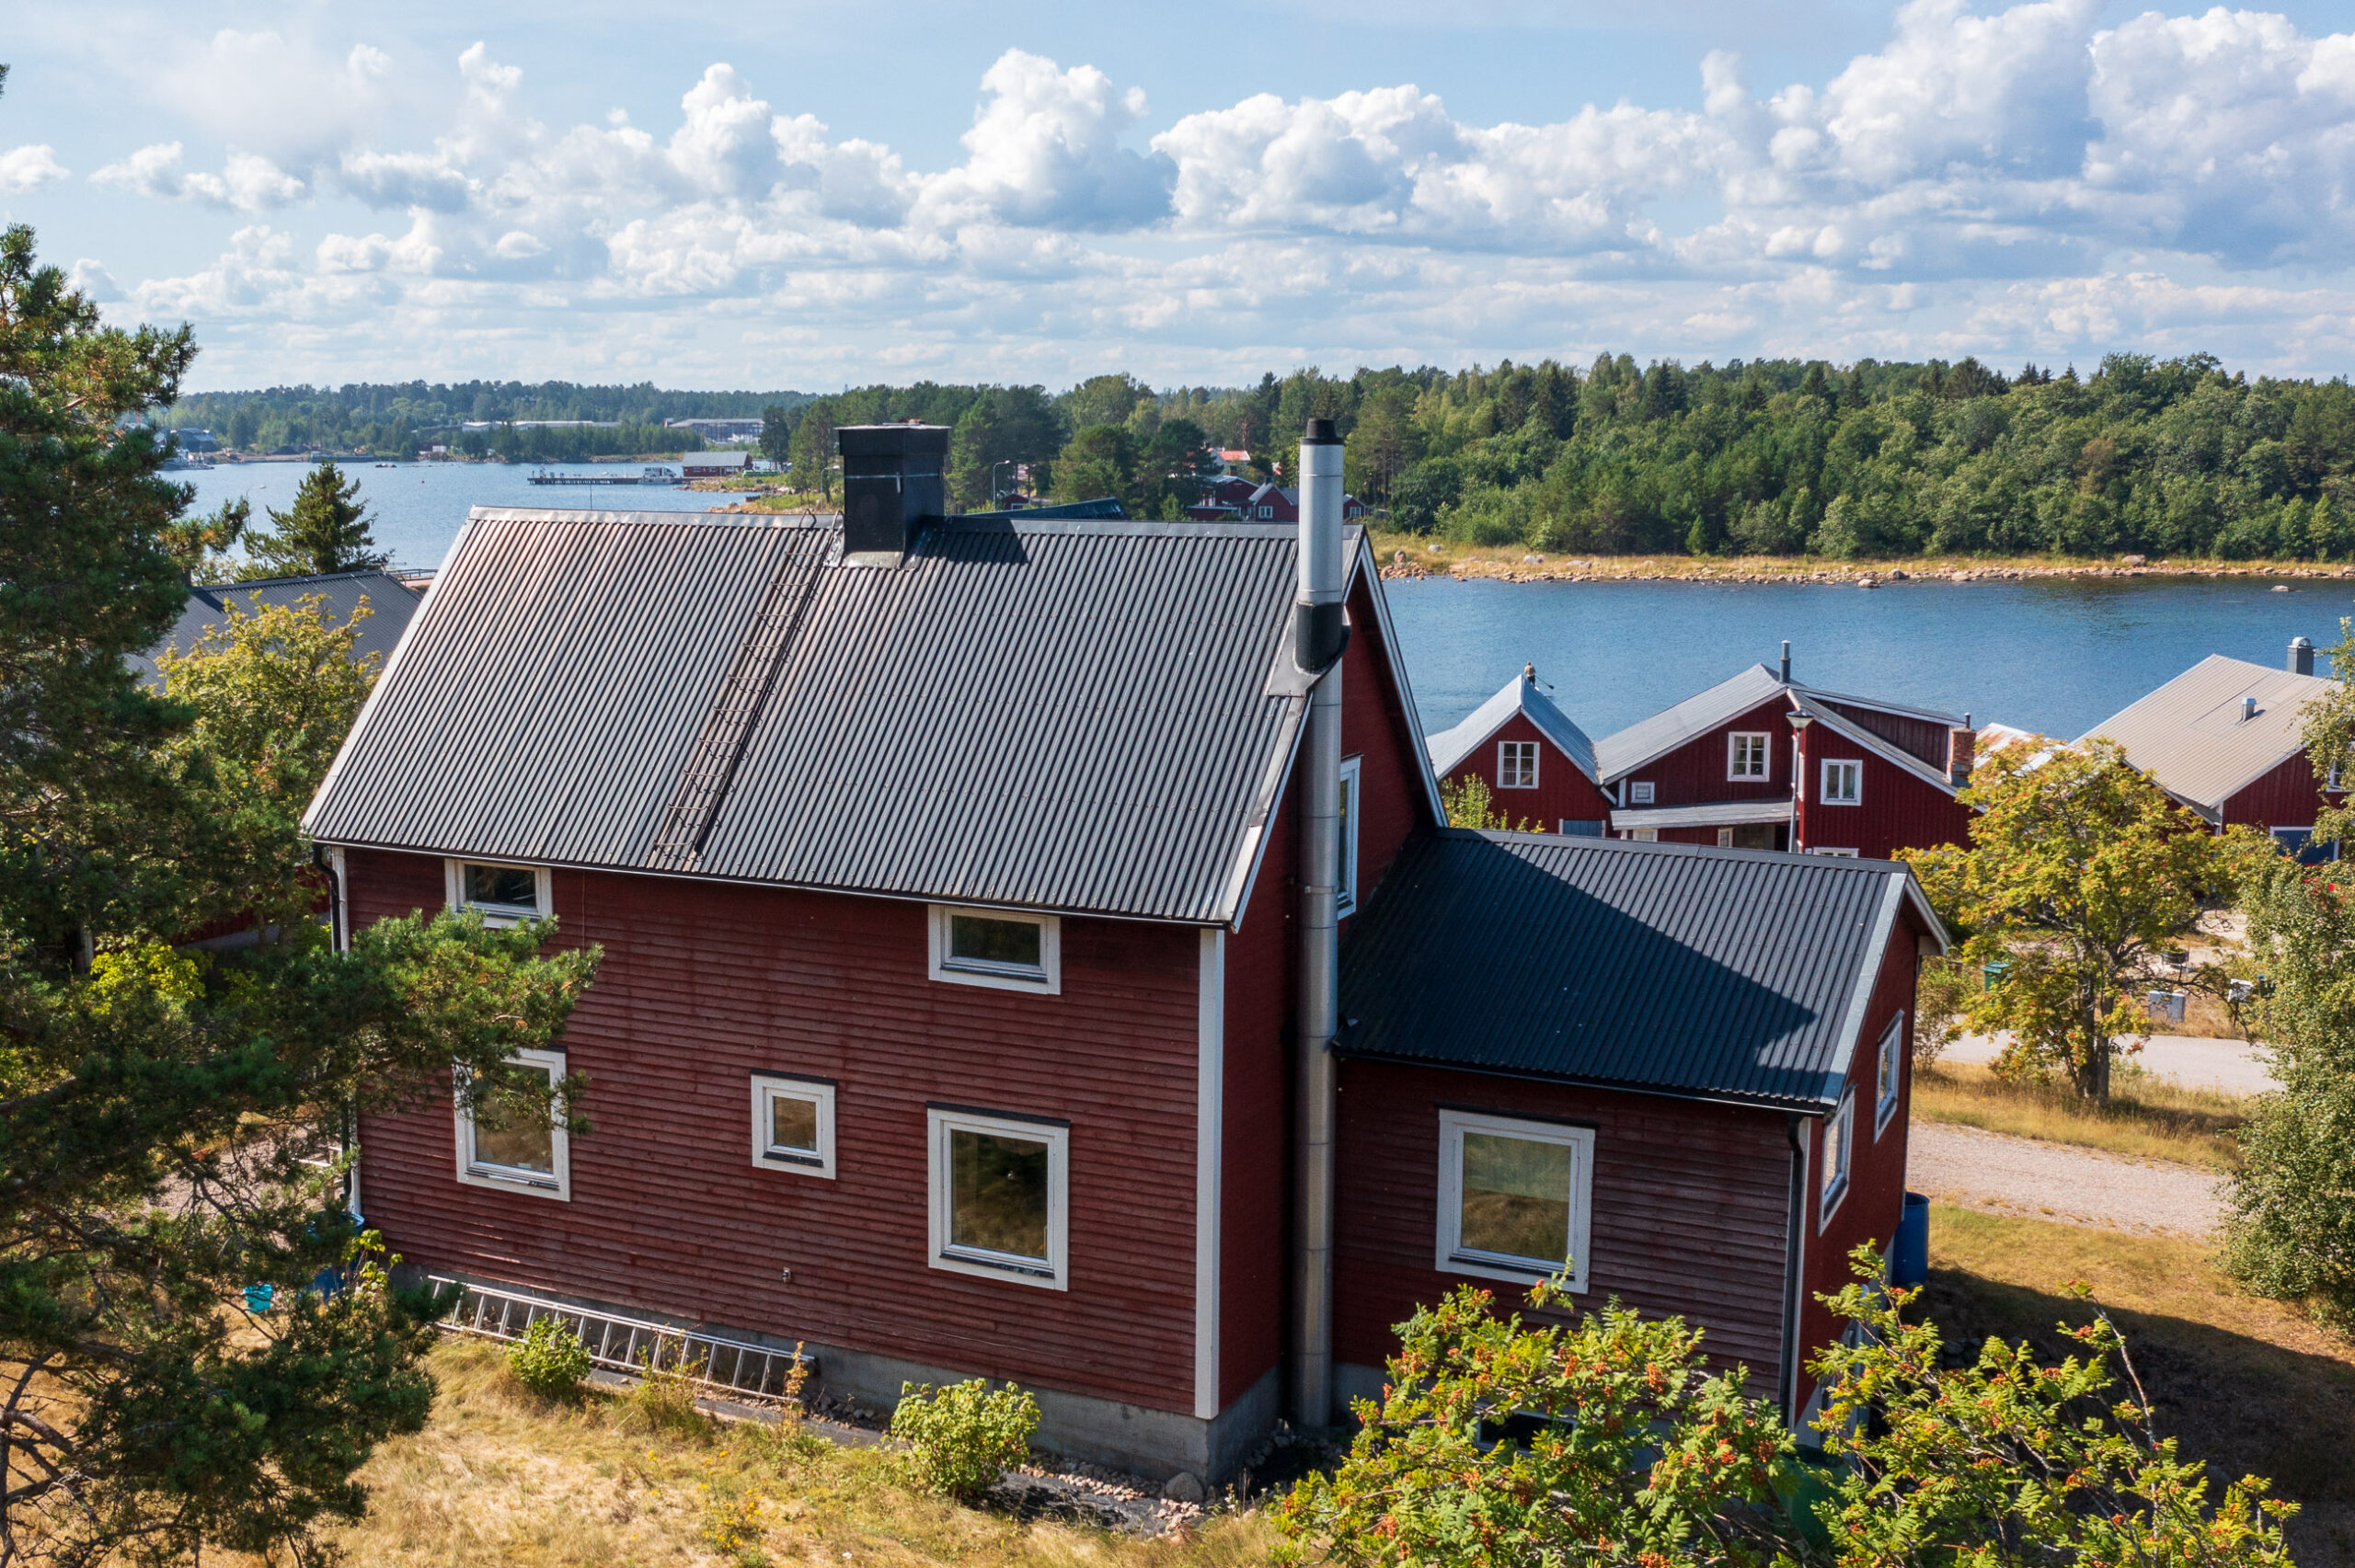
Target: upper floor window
pixel 1746 754
pixel 1517 764
pixel 507 1138
pixel 1839 1133
pixel 502 894
pixel 1513 1196
pixel 1347 902
pixel 1890 1073
pixel 1844 782
pixel 997 947
pixel 1639 792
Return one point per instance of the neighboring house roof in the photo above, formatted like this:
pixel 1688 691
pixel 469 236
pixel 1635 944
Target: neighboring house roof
pixel 1710 814
pixel 1840 724
pixel 1731 974
pixel 2189 734
pixel 1084 715
pixel 1519 695
pixel 391 602
pixel 1649 739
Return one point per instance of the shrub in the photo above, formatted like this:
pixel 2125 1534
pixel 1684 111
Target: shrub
pixel 550 1359
pixel 960 1439
pixel 664 1400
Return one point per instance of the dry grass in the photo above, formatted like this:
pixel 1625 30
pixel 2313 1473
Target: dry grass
pixel 502 1477
pixel 2247 1384
pixel 2146 1117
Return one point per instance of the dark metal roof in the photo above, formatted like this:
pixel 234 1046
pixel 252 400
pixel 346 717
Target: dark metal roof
pixel 390 604
pixel 1731 974
pixel 1068 714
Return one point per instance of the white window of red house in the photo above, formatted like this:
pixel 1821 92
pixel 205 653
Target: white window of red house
pixel 1517 764
pixel 1844 782
pixel 1746 754
pixel 1890 1074
pixel 1639 792
pixel 510 1138
pixel 793 1124
pixel 1001 1189
pixel 997 947
pixel 1513 1196
pixel 1351 769
pixel 502 894
pixel 1839 1136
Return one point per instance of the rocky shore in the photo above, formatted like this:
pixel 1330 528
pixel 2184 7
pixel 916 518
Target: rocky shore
pixel 1423 563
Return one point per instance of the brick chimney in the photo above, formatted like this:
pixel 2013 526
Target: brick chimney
pixel 1962 747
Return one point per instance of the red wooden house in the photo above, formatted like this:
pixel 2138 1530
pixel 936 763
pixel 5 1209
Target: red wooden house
pixel 1281 503
pixel 973 1003
pixel 2223 738
pixel 1874 776
pixel 1538 764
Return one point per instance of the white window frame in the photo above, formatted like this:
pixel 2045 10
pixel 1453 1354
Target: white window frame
pixel 1639 792
pixel 1507 768
pixel 1835 853
pixel 1765 758
pixel 1643 835
pixel 1451 1256
pixel 454 887
pixel 1046 981
pixel 1857 774
pixel 505 1178
pixel 1889 1080
pixel 769 1087
pixel 1839 1151
pixel 1352 811
pixel 942 1120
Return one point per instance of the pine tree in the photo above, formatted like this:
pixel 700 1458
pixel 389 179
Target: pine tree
pixel 325 531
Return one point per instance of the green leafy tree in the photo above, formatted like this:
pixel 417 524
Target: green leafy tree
pixel 813 449
pixel 2003 1461
pixel 2079 874
pixel 1174 469
pixel 160 1106
pixel 325 531
pixel 1100 461
pixel 1103 400
pixel 776 434
pixel 1006 428
pixel 1469 802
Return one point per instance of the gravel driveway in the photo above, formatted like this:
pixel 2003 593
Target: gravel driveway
pixel 2230 1067
pixel 2051 1181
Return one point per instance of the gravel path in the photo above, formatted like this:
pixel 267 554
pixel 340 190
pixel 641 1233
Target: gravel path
pixel 2051 1181
pixel 2192 1060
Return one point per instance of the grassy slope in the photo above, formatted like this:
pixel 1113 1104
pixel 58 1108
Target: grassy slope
pixel 2146 1117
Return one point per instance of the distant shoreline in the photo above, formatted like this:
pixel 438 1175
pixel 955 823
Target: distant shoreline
pixel 1407 556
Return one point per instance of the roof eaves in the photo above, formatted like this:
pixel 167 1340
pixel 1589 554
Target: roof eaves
pixel 1878 704
pixel 1364 563
pixel 1691 729
pixel 1860 736
pixel 1860 999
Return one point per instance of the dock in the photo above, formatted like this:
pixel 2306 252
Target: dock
pixel 649 476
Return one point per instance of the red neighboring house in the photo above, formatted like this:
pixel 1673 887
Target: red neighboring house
pixel 1876 776
pixel 2223 738
pixel 964 988
pixel 1538 764
pixel 1278 503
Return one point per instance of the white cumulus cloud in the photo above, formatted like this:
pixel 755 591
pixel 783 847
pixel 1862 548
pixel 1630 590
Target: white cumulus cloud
pixel 29 168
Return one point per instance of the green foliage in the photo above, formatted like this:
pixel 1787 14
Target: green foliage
pixel 2002 1461
pixel 669 1383
pixel 963 1437
pixel 1942 997
pixel 1469 804
pixel 2079 872
pixel 550 1359
pixel 325 531
pixel 1496 1443
pixel 1100 461
pixel 396 420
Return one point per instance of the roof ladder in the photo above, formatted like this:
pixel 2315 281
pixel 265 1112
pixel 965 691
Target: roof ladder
pixel 719 745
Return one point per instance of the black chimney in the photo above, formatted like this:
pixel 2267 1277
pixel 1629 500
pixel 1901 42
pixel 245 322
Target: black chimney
pixel 1786 662
pixel 891 487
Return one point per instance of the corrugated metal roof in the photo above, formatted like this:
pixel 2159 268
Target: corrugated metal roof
pixel 390 605
pixel 1648 739
pixel 1727 973
pixel 1708 814
pixel 1072 714
pixel 1519 695
pixel 2189 734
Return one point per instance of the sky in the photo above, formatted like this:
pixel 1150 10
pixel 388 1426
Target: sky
pixel 815 193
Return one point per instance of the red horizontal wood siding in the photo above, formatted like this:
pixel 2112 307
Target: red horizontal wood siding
pixel 2288 796
pixel 1897 809
pixel 1691 1205
pixel 1563 794
pixel 1695 771
pixel 1925 738
pixel 705 984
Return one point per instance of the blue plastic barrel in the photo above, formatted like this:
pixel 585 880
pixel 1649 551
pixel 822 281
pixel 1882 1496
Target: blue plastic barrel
pixel 258 1298
pixel 1908 1263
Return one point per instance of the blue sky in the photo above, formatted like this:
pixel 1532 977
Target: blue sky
pixel 806 194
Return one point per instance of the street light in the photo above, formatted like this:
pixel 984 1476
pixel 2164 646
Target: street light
pixel 1001 463
pixel 1800 718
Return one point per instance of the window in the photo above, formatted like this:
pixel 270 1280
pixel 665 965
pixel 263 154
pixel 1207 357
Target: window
pixel 1890 1074
pixel 793 1124
pixel 1644 835
pixel 509 1143
pixel 999 1189
pixel 1584 827
pixel 504 894
pixel 1844 782
pixel 1835 854
pixel 1746 754
pixel 1266 512
pixel 1513 1196
pixel 1747 836
pixel 1516 764
pixel 1347 902
pixel 2296 843
pixel 1639 794
pixel 1837 1135
pixel 997 947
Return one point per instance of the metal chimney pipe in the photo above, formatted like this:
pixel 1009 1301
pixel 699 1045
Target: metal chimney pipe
pixel 2301 657
pixel 1319 634
pixel 1786 661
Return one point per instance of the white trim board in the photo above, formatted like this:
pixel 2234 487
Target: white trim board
pixel 1210 1153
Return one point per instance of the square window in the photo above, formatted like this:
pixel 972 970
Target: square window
pixel 1517 764
pixel 1639 794
pixel 793 1124
pixel 1000 1197
pixel 1890 1074
pixel 1838 1135
pixel 1746 755
pixel 1347 902
pixel 1844 782
pixel 997 947
pixel 502 894
pixel 1514 1200
pixel 508 1142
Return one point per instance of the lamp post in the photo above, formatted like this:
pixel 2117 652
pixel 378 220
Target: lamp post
pixel 1001 463
pixel 1800 720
